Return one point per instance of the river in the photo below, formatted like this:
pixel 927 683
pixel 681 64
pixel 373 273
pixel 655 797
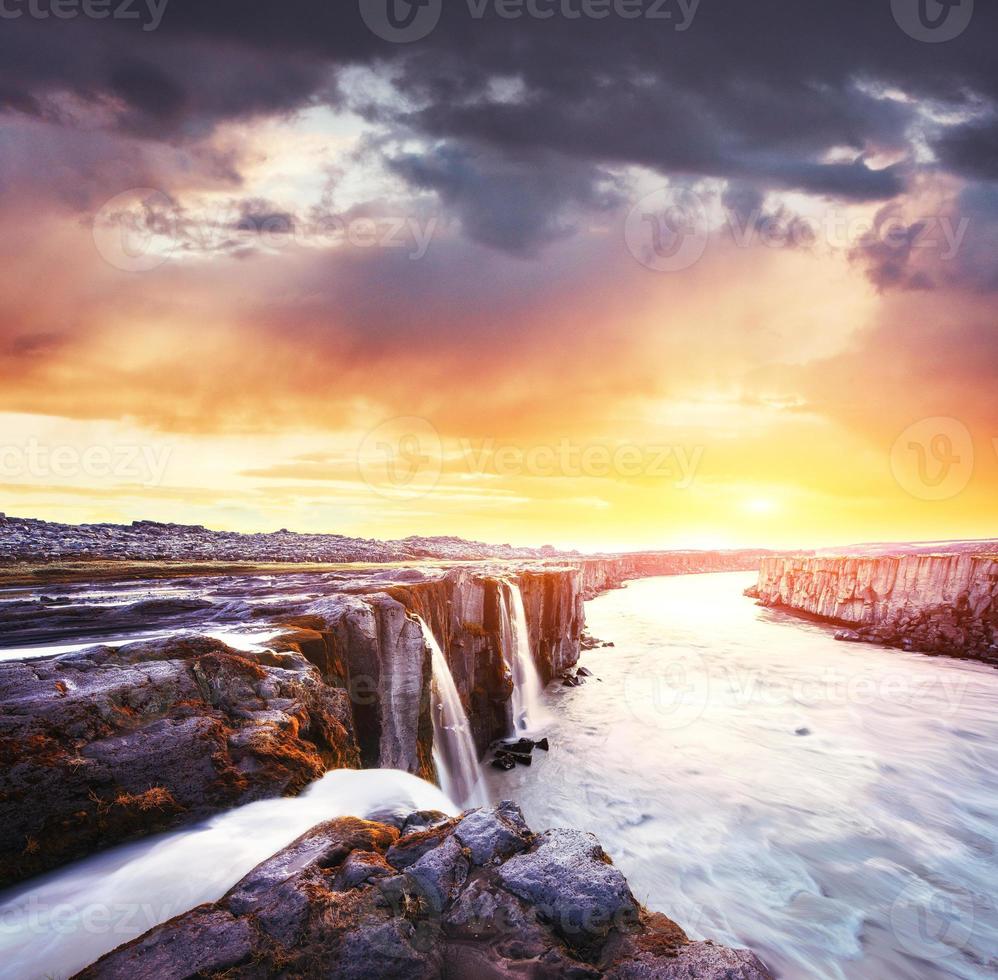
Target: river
pixel 833 806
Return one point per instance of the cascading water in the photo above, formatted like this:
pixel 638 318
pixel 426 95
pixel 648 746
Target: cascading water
pixel 453 747
pixel 57 924
pixel 528 708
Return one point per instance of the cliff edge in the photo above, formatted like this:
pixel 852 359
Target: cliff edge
pixel 937 604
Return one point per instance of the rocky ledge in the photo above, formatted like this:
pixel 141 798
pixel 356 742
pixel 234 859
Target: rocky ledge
pixel 477 895
pixel 112 743
pixel 938 604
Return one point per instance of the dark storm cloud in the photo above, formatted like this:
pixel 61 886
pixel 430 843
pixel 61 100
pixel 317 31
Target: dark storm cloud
pixel 514 205
pixel 971 151
pixel 759 92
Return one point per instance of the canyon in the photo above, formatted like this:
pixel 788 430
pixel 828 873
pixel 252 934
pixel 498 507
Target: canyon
pixel 168 721
pixel 222 690
pixel 945 604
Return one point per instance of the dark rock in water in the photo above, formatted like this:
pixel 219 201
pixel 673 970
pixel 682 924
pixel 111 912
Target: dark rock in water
pixel 542 743
pixel 583 672
pixel 802 731
pixel 108 744
pixel 521 745
pixel 503 761
pixel 848 636
pixel 478 896
pixel 521 758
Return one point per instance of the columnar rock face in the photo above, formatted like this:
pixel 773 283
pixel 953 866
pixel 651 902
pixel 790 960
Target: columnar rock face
pixel 462 609
pixel 376 650
pixel 946 604
pixel 104 745
pixel 611 572
pixel 553 602
pixel 477 895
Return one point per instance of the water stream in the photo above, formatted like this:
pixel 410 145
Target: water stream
pixel 834 806
pixel 453 747
pixel 53 926
pixel 528 712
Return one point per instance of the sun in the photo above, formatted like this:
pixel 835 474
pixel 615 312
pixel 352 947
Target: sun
pixel 760 505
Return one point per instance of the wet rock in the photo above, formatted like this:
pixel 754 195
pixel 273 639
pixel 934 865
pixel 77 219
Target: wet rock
pixel 494 833
pixel 483 898
pixel 204 942
pixel 569 878
pixel 111 743
pixel 583 672
pixel 522 745
pixel 504 762
pixel 542 744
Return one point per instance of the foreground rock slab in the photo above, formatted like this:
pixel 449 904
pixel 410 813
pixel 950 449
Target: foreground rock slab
pixel 111 743
pixel 474 896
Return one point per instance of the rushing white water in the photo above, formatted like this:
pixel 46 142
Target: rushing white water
pixel 453 747
pixel 528 713
pixel 834 806
pixel 55 925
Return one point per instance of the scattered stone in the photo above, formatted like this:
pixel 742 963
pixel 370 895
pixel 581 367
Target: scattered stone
pixel 504 761
pixel 583 672
pixel 802 731
pixel 542 743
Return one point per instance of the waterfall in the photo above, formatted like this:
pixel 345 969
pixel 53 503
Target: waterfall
pixel 528 708
pixel 54 925
pixel 453 747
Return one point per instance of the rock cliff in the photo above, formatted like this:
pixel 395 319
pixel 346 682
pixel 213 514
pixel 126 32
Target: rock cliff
pixel 476 895
pixel 112 743
pixel 130 738
pixel 941 604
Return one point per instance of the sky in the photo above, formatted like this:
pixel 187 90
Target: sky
pixel 595 273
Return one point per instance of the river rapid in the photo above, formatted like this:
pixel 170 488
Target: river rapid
pixel 833 806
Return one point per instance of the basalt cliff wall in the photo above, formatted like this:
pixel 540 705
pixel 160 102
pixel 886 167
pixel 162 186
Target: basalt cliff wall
pixel 611 572
pixel 941 604
pixel 128 739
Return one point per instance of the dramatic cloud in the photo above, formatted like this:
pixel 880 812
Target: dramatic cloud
pixel 263 221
